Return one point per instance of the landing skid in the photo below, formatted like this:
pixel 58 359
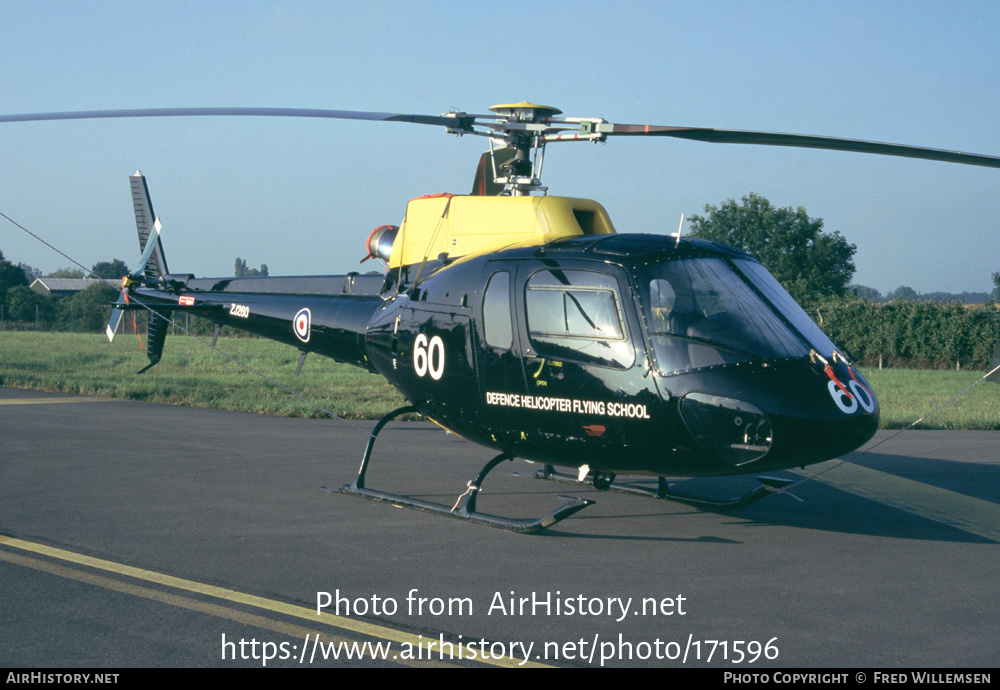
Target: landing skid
pixel 603 481
pixel 465 506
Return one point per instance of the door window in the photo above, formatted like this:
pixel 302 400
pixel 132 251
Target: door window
pixel 496 312
pixel 576 314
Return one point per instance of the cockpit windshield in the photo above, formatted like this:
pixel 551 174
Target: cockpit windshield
pixel 702 313
pixel 789 308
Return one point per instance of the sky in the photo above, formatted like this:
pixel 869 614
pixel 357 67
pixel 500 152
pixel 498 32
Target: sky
pixel 302 195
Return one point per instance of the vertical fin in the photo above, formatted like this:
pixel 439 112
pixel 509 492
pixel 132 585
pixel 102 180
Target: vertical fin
pixel 152 266
pixel 156 335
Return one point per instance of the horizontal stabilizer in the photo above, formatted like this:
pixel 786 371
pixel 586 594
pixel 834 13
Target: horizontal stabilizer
pixel 199 308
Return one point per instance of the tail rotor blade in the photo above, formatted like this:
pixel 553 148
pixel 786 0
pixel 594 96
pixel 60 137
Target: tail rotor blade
pixel 116 317
pixel 118 311
pixel 150 246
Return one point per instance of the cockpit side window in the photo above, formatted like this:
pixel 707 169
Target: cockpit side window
pixel 576 314
pixel 497 324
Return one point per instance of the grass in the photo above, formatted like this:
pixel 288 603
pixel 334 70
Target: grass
pixel 905 395
pixel 192 374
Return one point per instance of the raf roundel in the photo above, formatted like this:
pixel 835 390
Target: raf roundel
pixel 301 324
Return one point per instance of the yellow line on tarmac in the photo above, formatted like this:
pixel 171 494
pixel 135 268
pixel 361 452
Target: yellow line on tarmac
pixel 972 515
pixel 49 401
pixel 294 631
pixel 370 629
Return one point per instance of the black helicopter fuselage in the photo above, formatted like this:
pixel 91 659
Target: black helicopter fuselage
pixel 522 321
pixel 625 353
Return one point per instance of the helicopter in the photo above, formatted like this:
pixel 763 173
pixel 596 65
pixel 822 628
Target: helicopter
pixel 522 321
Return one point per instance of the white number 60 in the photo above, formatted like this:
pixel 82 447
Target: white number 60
pixel 424 359
pixel 849 404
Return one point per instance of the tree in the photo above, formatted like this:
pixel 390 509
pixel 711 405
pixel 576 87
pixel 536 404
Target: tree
pixel 30 272
pixel 91 307
pixel 242 270
pixel 904 293
pixel 24 304
pixel 11 276
pixel 115 269
pixel 866 292
pixel 808 262
pixel 66 273
pixel 996 281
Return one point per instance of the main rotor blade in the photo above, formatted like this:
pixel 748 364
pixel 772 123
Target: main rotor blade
pixel 465 122
pixel 733 136
pixel 458 122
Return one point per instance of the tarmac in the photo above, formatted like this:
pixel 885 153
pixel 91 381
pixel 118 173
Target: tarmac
pixel 135 535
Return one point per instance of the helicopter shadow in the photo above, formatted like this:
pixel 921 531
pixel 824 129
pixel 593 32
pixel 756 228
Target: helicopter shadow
pixel 810 504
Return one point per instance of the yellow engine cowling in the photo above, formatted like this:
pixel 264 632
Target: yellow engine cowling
pixel 466 225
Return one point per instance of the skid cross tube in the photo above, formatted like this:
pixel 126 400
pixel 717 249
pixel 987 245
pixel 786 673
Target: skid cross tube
pixel 465 506
pixel 663 492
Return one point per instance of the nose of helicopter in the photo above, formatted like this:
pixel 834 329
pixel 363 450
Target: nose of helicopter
pixel 843 415
pixel 806 440
pixel 778 416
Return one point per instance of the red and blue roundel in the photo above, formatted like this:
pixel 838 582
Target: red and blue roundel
pixel 301 324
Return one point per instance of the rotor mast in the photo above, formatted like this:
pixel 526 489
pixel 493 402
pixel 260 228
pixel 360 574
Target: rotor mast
pixel 522 126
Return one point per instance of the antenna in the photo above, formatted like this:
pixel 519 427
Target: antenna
pixel 680 229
